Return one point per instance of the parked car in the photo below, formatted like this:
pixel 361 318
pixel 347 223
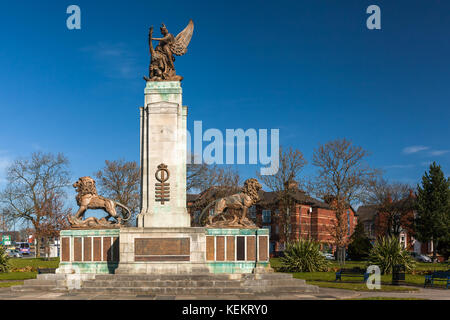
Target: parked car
pixel 328 256
pixel 14 253
pixel 420 257
pixel 24 247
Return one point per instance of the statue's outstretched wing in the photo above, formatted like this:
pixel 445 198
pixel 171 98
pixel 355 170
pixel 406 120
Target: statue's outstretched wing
pixel 179 47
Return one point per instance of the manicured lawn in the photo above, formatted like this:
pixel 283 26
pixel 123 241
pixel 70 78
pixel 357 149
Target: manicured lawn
pixel 18 275
pixel 327 279
pixel 357 286
pixel 420 266
pixel 23 263
pixel 34 262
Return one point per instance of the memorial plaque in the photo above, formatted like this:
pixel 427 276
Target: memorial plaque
pixel 77 249
pixel 65 249
pixel 230 249
pixel 240 248
pixel 263 245
pixel 87 249
pixel 107 252
pixel 220 251
pixel 116 249
pixel 210 248
pixel 162 249
pixel 97 249
pixel 251 248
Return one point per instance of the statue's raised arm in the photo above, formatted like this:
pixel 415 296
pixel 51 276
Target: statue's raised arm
pixel 162 66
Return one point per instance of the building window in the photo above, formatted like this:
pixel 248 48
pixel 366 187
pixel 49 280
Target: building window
pixel 268 227
pixel 272 247
pixel 266 216
pixel 277 229
pixel 403 240
pixel 197 214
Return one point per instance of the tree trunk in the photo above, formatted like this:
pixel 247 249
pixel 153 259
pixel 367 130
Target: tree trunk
pixel 434 250
pixel 340 254
pixel 37 249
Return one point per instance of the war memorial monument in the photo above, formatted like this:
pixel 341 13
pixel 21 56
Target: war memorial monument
pixel 163 254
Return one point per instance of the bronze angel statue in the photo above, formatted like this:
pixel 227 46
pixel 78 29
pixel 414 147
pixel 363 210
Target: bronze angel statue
pixel 163 55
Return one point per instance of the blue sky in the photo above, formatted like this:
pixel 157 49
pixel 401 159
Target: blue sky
pixel 310 68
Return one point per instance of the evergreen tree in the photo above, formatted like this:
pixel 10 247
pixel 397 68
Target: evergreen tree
pixel 432 222
pixel 360 245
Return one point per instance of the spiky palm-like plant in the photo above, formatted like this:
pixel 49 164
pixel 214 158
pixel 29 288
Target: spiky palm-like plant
pixel 303 256
pixel 388 252
pixel 4 263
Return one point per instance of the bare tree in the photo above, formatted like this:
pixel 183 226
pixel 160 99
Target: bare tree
pixel 201 177
pixel 343 179
pixel 395 205
pixel 54 219
pixel 34 185
pixel 120 181
pixel 284 184
pixel 6 220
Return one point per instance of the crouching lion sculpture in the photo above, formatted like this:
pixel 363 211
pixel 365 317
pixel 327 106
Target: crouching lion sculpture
pixel 87 198
pixel 237 205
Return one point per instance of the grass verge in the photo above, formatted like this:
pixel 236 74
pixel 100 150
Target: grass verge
pixel 18 275
pixel 359 286
pixel 34 263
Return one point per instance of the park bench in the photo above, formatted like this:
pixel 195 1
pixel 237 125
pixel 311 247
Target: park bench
pixel 437 276
pixel 46 270
pixel 355 273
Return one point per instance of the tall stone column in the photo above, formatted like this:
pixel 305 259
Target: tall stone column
pixel 163 157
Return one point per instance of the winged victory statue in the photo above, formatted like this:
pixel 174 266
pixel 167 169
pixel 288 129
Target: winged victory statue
pixel 163 55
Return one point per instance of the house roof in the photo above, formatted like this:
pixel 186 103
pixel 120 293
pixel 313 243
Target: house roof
pixel 299 195
pixel 367 212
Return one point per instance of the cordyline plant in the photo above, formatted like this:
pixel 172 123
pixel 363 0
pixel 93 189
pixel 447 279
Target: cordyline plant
pixel 303 256
pixel 388 252
pixel 4 260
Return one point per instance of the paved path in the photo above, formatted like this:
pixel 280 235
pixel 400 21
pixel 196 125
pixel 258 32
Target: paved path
pixel 324 294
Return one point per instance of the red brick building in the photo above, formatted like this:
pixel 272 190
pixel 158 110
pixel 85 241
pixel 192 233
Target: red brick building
pixel 308 218
pixel 375 226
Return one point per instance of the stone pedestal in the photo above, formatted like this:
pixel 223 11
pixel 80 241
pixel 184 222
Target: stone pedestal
pixel 162 251
pixel 163 157
pixel 237 250
pixel 90 251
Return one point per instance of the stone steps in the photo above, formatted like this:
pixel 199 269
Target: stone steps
pixel 169 290
pixel 43 282
pixel 177 284
pixel 168 277
pixel 162 284
pixel 211 284
pixel 33 287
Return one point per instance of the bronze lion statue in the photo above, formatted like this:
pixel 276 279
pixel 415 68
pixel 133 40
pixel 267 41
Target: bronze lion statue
pixel 87 198
pixel 237 204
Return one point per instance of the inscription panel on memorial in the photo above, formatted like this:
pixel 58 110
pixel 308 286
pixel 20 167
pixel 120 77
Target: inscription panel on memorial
pixel 162 249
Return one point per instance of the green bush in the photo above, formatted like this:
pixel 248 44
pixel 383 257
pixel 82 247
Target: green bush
pixel 388 252
pixel 303 256
pixel 4 259
pixel 360 245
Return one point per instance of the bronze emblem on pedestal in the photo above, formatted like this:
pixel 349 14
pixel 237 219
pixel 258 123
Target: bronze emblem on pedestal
pixel 162 189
